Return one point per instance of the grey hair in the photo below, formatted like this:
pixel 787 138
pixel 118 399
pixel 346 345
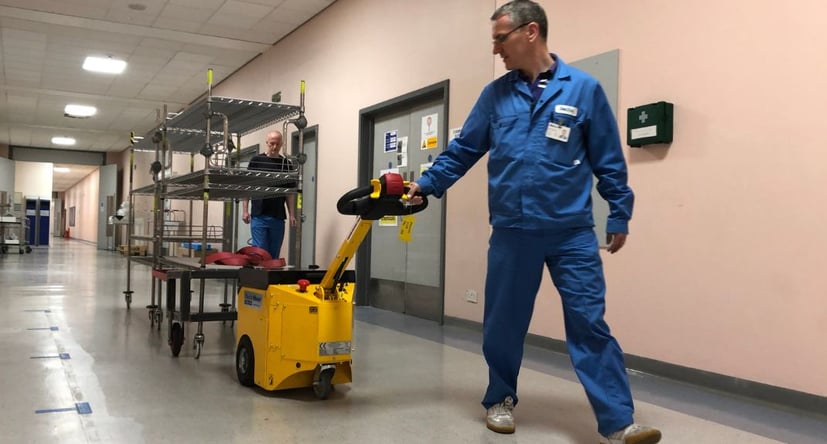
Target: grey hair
pixel 524 11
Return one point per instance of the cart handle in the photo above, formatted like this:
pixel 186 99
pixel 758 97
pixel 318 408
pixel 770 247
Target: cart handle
pixel 385 196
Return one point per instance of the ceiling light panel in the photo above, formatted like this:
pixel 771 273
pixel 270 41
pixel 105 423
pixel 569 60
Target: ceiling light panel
pixel 59 140
pixel 106 65
pixel 81 111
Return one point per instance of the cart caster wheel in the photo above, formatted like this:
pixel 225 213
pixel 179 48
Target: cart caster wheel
pixel 28 249
pixel 128 298
pixel 245 361
pixel 321 385
pixel 152 311
pixel 159 316
pixel 176 338
pixel 20 251
pixel 198 344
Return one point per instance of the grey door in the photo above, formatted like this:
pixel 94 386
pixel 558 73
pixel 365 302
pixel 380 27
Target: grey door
pixel 107 190
pixel 604 68
pixel 308 200
pixel 243 237
pixel 306 203
pixel 407 277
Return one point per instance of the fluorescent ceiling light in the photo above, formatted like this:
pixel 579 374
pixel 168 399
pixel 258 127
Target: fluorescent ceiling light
pixel 72 110
pixel 106 65
pixel 63 140
pixel 60 169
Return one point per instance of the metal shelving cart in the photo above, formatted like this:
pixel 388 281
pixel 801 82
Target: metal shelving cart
pixel 14 231
pixel 13 234
pixel 193 131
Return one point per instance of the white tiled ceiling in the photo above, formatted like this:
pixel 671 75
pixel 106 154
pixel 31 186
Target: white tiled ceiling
pixel 166 43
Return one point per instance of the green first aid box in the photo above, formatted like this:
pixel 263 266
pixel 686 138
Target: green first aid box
pixel 649 124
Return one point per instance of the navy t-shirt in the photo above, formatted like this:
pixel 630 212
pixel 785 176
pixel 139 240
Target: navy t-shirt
pixel 273 206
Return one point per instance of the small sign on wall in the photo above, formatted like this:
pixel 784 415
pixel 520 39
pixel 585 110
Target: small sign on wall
pixel 390 141
pixel 430 123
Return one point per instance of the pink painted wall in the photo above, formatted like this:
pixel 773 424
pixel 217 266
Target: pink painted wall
pixel 84 197
pixel 724 268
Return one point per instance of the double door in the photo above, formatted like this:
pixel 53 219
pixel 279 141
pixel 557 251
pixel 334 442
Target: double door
pixel 38 213
pixel 396 273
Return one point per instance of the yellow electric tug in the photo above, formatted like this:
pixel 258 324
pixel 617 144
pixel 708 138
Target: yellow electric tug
pixel 295 327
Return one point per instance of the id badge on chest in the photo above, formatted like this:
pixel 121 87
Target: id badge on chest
pixel 558 132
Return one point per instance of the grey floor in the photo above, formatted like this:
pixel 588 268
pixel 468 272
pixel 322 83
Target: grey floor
pixel 77 366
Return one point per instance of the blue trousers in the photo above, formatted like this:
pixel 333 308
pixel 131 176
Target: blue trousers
pixel 268 233
pixel 515 267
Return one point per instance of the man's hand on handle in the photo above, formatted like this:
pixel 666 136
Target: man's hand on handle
pixel 413 199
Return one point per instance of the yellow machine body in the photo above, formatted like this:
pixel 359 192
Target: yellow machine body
pixel 294 332
pixel 295 327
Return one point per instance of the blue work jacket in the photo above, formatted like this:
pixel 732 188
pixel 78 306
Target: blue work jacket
pixel 543 155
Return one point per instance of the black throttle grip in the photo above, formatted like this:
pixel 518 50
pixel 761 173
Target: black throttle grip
pixel 352 201
pixel 383 198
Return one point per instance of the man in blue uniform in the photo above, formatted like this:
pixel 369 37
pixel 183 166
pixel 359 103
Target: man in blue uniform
pixel 547 128
pixel 267 216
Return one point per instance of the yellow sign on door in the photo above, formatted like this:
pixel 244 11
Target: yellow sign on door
pixel 406 228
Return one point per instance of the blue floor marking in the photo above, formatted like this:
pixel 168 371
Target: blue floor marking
pixel 68 409
pixel 38 311
pixel 52 328
pixel 83 408
pixel 61 356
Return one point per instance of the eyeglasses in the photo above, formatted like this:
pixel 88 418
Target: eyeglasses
pixel 501 38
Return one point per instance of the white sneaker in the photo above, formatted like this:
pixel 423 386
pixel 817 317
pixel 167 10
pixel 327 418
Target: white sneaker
pixel 500 418
pixel 633 434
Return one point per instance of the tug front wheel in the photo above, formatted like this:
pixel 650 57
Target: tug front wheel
pixel 245 362
pixel 321 382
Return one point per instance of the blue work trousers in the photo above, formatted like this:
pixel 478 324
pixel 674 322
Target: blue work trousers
pixel 268 233
pixel 515 267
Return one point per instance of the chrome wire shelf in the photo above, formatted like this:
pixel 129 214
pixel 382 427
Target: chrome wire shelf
pixel 227 183
pixel 229 192
pixel 187 132
pixel 180 140
pixel 238 176
pixel 244 115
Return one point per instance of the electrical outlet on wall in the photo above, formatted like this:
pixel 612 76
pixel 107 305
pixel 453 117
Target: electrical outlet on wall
pixel 471 296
